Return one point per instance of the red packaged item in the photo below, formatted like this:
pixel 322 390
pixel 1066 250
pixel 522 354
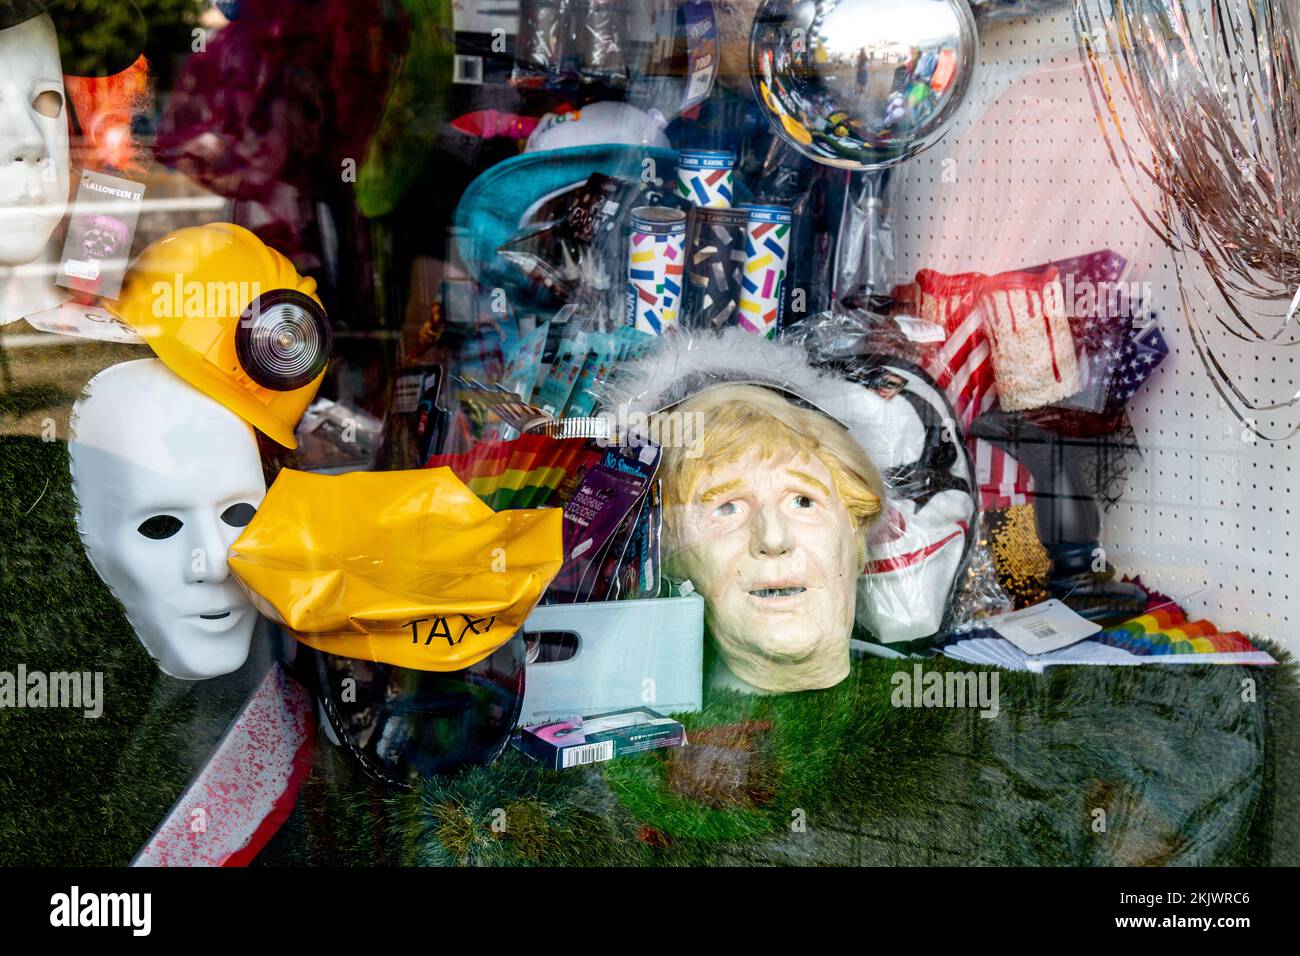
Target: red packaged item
pixel 1032 347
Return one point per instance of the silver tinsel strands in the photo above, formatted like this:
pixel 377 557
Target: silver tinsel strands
pixel 1199 105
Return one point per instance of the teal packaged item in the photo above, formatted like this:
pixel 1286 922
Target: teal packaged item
pixel 634 343
pixel 602 355
pixel 508 196
pixel 553 394
pixel 583 740
pixel 525 366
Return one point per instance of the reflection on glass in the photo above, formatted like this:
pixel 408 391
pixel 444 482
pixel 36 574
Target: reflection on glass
pixel 861 83
pixel 402 724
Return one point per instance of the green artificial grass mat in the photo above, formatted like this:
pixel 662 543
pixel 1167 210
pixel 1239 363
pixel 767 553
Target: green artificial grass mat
pixel 1186 768
pixel 1154 765
pixel 78 791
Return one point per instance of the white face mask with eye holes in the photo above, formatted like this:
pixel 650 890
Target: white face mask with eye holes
pixel 34 157
pixel 165 480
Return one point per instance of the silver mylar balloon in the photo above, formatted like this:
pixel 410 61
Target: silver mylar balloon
pixel 862 84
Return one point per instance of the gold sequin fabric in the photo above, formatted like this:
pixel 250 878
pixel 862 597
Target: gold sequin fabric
pixel 1022 562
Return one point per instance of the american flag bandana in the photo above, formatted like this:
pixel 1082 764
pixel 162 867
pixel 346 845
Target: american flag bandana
pixel 1143 351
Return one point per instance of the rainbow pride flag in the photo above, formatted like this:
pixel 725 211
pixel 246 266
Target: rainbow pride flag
pixel 521 473
pixel 1166 630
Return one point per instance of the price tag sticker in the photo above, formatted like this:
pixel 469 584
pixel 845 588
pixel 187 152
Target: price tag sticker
pixel 1044 627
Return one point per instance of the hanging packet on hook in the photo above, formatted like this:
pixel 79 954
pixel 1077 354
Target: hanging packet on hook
pixel 542 43
pixel 600 28
pixel 701 52
pixel 98 246
pixel 685 45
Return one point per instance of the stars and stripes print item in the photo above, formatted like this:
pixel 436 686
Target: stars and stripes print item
pixel 963 365
pixel 1143 351
pixel 963 368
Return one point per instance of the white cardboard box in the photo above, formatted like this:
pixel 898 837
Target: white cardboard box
pixel 629 654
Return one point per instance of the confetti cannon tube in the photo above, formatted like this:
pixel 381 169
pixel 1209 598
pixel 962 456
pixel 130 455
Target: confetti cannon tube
pixel 767 250
pixel 707 177
pixel 656 268
pixel 716 254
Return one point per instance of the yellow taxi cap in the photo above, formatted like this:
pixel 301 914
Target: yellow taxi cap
pixel 408 568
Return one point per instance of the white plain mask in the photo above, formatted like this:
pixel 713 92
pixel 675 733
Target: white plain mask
pixel 165 480
pixel 33 140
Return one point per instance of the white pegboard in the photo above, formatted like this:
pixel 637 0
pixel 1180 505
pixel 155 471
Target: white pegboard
pixel 1024 177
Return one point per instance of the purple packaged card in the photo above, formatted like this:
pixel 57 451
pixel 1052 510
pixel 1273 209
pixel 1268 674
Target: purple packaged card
pixel 98 246
pixel 597 507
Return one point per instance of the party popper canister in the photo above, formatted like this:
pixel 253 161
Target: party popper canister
pixel 706 177
pixel 715 253
pixel 767 252
pixel 656 268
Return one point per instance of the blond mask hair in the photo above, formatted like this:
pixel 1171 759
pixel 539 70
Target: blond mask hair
pixel 740 420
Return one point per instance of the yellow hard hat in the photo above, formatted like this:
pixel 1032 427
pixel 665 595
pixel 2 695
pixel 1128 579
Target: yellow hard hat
pixel 408 568
pixel 232 317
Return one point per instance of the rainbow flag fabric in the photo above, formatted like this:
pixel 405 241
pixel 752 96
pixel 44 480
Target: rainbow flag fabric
pixel 1166 630
pixel 522 473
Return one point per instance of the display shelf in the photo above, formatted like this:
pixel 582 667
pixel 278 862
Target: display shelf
pixel 1023 178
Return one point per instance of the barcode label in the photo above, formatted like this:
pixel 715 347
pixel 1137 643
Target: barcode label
pixel 698 88
pixel 406 393
pixel 468 69
pixel 918 330
pixel 1043 627
pixel 587 753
